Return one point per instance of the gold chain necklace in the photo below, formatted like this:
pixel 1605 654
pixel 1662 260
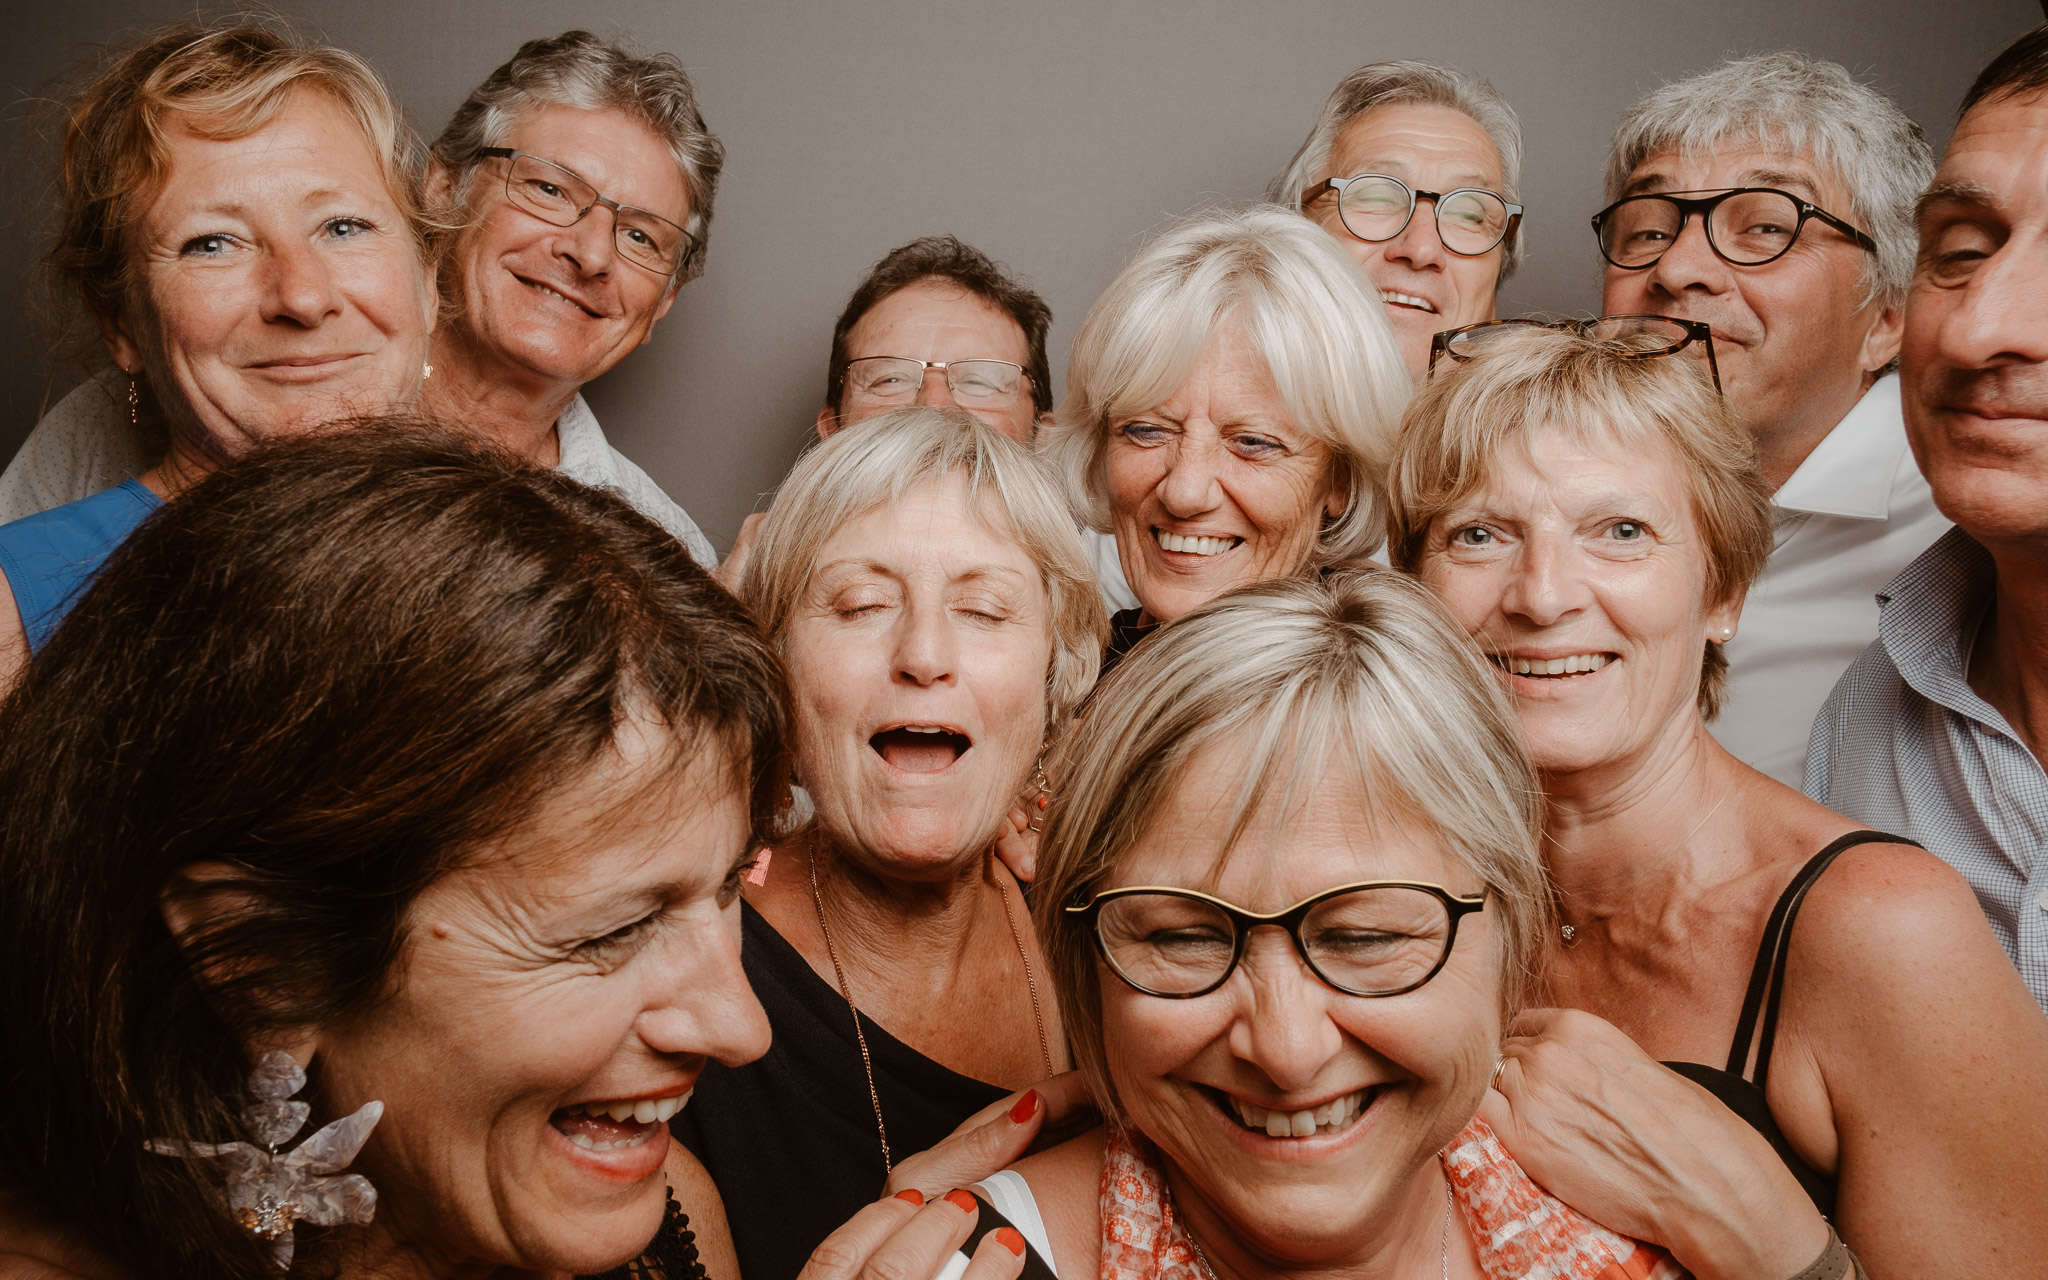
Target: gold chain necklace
pixel 1569 934
pixel 867 1064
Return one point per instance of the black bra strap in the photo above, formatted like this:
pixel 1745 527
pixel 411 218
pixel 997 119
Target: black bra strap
pixel 1768 974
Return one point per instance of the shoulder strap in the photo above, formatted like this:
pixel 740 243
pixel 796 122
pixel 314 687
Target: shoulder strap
pixel 1768 974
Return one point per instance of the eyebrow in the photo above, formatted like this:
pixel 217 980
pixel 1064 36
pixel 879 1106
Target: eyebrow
pixel 1954 191
pixel 972 573
pixel 1654 183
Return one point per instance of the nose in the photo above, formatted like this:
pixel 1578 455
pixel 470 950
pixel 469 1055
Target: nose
pixel 299 287
pixel 1542 588
pixel 1193 483
pixel 1996 322
pixel 935 390
pixel 592 243
pixel 702 1004
pixel 1418 245
pixel 1284 1026
pixel 1689 264
pixel 927 651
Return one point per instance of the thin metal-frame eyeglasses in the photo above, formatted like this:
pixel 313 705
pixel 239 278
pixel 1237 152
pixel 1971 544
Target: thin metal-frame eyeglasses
pixel 1746 226
pixel 1371 938
pixel 896 379
pixel 1632 337
pixel 1376 207
pixel 560 196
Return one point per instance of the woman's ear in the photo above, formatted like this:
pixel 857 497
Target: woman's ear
pixel 206 891
pixel 1724 618
pixel 119 342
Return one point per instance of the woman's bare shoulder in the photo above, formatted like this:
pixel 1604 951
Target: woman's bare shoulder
pixel 1066 1182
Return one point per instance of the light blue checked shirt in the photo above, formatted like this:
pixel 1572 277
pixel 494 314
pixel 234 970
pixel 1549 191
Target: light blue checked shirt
pixel 1905 745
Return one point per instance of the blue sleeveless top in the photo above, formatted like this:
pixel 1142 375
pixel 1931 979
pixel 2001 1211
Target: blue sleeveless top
pixel 51 557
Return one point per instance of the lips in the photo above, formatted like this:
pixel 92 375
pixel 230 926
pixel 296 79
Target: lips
pixel 1395 298
pixel 1195 544
pixel 618 1139
pixel 550 291
pixel 1575 664
pixel 921 748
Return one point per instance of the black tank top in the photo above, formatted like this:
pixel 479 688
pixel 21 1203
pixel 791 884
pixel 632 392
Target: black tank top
pixel 1744 1093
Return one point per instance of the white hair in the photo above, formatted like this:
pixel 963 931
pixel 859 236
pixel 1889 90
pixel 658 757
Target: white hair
pixel 1307 309
pixel 1429 84
pixel 1805 106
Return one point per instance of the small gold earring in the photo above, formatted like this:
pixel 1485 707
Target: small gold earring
pixel 134 402
pixel 426 371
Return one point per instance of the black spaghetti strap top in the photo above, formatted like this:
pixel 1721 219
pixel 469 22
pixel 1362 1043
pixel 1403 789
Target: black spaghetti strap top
pixel 1744 1093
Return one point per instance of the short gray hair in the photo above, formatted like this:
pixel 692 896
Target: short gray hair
pixel 1804 105
pixel 875 463
pixel 577 69
pixel 1429 84
pixel 1307 309
pixel 1361 668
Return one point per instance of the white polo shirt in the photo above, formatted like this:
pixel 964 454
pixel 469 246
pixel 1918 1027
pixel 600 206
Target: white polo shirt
pixel 85 444
pixel 1853 515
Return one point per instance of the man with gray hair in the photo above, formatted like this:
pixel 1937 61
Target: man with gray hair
pixel 1772 197
pixel 579 178
pixel 1392 136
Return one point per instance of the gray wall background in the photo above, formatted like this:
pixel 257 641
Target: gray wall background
pixel 1056 135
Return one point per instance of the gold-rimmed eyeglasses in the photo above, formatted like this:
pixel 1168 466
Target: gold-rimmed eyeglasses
pixel 1371 938
pixel 1635 337
pixel 560 196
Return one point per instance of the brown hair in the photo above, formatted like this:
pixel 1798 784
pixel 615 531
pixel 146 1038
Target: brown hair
pixel 337 668
pixel 1468 413
pixel 2021 69
pixel 946 258
pixel 221 81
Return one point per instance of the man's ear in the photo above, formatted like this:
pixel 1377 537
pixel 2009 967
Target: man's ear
pixel 439 188
pixel 1881 341
pixel 828 422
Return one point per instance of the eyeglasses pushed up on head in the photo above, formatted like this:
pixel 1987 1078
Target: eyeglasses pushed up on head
pixel 896 380
pixel 1635 337
pixel 560 196
pixel 1373 938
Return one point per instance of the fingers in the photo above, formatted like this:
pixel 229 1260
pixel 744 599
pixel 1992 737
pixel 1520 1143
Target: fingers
pixel 1017 846
pixel 1067 1097
pixel 975 1150
pixel 894 1239
pixel 999 1256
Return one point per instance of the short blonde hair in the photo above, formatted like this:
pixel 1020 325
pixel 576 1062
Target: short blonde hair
pixel 878 461
pixel 221 81
pixel 1309 312
pixel 1532 378
pixel 1361 665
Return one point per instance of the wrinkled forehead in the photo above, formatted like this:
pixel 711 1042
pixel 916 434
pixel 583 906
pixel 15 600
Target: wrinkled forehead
pixel 1743 156
pixel 1425 144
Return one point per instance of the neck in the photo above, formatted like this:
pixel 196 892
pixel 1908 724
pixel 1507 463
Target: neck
pixel 2009 667
pixel 885 928
pixel 181 467
pixel 475 387
pixel 1782 446
pixel 1637 835
pixel 376 1253
pixel 1405 1240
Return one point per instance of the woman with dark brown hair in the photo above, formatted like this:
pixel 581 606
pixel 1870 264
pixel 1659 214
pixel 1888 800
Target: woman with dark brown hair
pixel 417 782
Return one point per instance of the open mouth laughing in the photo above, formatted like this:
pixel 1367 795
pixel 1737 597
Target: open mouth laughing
pixel 921 748
pixel 1409 300
pixel 1577 664
pixel 616 1125
pixel 1194 545
pixel 557 295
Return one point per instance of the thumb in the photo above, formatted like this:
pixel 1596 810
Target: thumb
pixel 968 1155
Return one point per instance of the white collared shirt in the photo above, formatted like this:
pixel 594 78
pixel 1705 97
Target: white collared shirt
pixel 86 444
pixel 1109 571
pixel 1853 515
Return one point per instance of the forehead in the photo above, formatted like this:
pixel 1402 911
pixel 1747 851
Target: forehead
pixel 1740 162
pixel 1316 825
pixel 623 158
pixel 1548 466
pixel 310 147
pixel 1418 142
pixel 2001 147
pixel 937 311
pixel 937 523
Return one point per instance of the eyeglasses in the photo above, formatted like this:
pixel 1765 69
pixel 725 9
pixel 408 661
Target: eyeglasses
pixel 1633 337
pixel 1747 226
pixel 896 379
pixel 1373 938
pixel 1375 207
pixel 559 196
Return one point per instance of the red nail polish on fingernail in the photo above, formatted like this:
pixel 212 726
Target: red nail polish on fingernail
pixel 1010 1238
pixel 912 1195
pixel 963 1201
pixel 1027 1107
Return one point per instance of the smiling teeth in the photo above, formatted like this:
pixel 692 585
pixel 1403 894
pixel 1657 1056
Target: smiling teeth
pixel 1328 1118
pixel 552 294
pixel 1578 662
pixel 643 1111
pixel 1193 545
pixel 1407 300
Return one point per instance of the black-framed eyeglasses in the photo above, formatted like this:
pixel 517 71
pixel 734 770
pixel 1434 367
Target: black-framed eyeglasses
pixel 1635 337
pixel 1376 207
pixel 896 379
pixel 1746 226
pixel 1372 938
pixel 561 196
